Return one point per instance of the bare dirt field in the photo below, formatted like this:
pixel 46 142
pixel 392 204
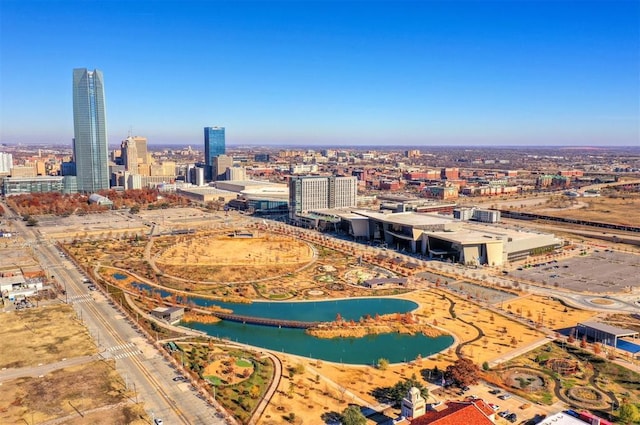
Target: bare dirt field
pixel 42 335
pixel 622 210
pixel 233 257
pixel 13 257
pixel 550 312
pixel 79 395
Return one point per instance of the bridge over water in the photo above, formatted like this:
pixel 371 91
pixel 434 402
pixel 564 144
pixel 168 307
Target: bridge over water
pixel 280 323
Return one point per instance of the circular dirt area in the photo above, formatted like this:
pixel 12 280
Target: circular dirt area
pixel 228 370
pixel 585 395
pixel 525 380
pixel 315 292
pixel 601 301
pixel 234 257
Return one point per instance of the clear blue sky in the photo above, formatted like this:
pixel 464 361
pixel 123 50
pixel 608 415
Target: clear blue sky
pixel 331 72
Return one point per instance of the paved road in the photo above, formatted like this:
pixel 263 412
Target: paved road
pixel 43 369
pixel 139 363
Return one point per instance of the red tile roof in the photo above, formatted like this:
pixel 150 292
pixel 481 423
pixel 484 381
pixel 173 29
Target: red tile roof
pixel 475 412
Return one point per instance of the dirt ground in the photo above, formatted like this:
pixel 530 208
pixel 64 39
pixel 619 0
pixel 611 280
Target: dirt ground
pixel 80 394
pixel 43 335
pixel 231 375
pixel 551 311
pixel 204 258
pixel 610 210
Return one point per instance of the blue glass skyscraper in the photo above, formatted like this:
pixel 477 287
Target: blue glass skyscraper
pixel 214 144
pixel 90 146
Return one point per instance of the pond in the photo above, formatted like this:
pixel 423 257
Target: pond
pixel 394 347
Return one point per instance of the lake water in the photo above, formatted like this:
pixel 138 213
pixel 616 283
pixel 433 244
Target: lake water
pixel 367 350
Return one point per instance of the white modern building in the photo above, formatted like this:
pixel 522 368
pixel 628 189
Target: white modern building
pixel 441 237
pixel 309 193
pixel 6 163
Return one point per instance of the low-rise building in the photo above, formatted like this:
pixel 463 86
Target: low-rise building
pixel 169 314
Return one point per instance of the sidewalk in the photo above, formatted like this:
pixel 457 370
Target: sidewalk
pixel 36 371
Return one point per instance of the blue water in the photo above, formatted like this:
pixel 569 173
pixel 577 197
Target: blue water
pixel 119 276
pixel 308 311
pixel 367 350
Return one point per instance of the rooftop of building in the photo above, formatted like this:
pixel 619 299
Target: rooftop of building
pixel 406 219
pixel 475 412
pixel 612 330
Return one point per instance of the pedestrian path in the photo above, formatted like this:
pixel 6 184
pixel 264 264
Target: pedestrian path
pixel 121 351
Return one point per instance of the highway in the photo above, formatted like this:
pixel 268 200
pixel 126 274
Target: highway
pixel 138 362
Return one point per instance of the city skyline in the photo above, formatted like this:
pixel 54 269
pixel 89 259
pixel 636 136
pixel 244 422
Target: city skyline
pixel 336 73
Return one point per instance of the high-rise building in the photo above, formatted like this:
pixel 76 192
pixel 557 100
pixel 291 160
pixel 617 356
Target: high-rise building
pixel 90 148
pixel 141 148
pixel 129 155
pixel 214 144
pixel 308 193
pixel 6 162
pixel 220 165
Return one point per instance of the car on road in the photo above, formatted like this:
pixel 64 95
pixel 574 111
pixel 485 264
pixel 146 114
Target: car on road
pixel 512 418
pixel 504 396
pixel 495 407
pixel 494 392
pixel 504 414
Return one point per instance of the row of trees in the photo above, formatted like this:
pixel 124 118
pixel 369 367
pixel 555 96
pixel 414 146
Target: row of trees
pixel 65 204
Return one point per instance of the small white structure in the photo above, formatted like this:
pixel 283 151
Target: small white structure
pixel 413 405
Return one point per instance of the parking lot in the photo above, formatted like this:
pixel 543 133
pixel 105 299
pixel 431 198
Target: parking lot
pixel 108 221
pixel 601 271
pixel 502 401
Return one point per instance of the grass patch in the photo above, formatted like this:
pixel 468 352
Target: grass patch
pixel 243 363
pixel 214 380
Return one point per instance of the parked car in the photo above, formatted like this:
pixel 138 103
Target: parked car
pixel 504 396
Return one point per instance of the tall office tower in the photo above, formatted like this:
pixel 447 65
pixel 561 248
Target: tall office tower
pixel 129 155
pixel 90 130
pixel 308 193
pixel 6 162
pixel 141 148
pixel 214 144
pixel 220 165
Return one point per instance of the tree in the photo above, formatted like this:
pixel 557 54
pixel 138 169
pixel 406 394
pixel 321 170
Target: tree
pixel 383 364
pixel 353 416
pixel 463 372
pixel 254 392
pixel 401 388
pixel 629 414
pixel 597 348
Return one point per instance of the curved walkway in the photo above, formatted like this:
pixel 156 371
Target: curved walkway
pixel 273 387
pixel 154 267
pixel 459 347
